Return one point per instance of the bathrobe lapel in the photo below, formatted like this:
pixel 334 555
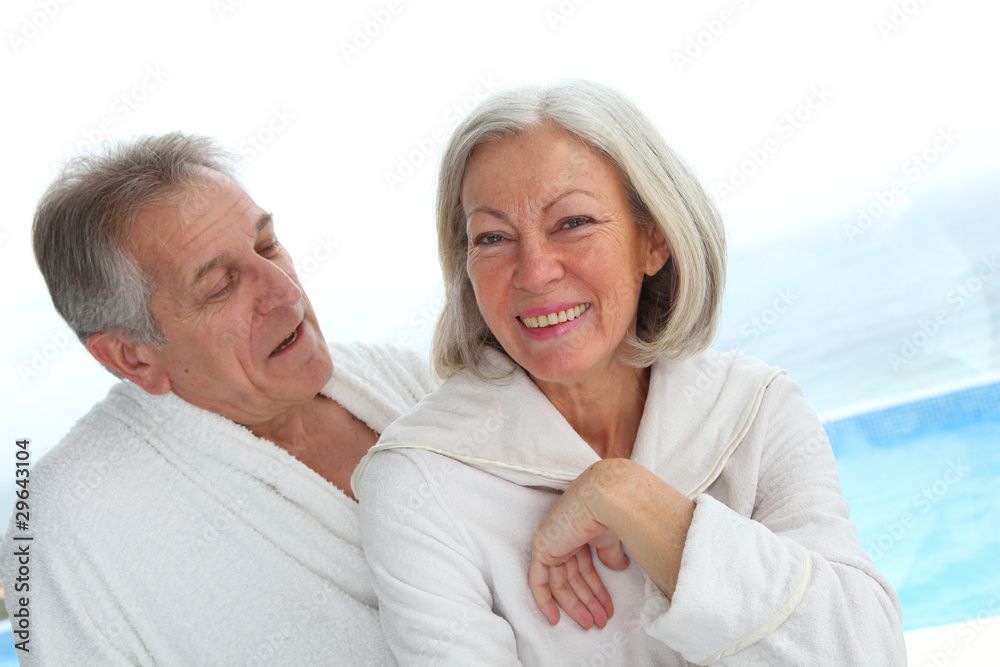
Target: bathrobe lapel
pixel 696 413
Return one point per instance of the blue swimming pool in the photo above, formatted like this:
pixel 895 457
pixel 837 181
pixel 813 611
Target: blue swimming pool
pixel 922 480
pixel 8 654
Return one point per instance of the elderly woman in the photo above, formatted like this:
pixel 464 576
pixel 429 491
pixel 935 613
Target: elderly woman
pixel 584 265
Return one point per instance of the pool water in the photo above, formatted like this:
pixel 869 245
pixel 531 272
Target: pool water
pixel 8 654
pixel 922 481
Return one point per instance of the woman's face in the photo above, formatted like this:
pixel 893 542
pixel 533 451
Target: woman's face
pixel 555 257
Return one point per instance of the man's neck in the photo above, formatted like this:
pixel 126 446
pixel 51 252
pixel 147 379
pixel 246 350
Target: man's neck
pixel 324 436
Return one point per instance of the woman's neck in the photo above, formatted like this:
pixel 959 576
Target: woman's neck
pixel 604 410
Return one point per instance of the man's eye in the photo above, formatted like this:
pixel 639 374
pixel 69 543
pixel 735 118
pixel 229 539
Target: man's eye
pixel 269 249
pixel 222 290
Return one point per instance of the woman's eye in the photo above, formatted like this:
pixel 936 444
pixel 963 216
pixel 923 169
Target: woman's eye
pixel 578 221
pixel 488 239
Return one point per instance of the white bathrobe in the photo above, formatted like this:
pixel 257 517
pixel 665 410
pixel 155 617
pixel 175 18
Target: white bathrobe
pixel 772 572
pixel 165 534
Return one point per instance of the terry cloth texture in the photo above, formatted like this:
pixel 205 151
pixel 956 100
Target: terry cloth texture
pixel 772 572
pixel 165 534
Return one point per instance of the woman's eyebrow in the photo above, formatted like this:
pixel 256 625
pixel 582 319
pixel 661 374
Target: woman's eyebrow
pixel 560 197
pixel 488 210
pixel 555 200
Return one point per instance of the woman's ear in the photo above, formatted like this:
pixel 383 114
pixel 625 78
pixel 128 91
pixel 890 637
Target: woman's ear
pixel 659 253
pixel 129 359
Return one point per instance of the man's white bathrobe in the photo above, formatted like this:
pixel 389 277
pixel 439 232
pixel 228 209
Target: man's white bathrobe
pixel 772 572
pixel 164 534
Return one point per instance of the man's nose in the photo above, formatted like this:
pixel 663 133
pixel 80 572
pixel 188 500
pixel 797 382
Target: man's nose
pixel 276 288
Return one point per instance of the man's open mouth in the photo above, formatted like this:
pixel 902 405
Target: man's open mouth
pixel 288 341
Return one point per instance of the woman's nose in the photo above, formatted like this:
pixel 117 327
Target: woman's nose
pixel 538 266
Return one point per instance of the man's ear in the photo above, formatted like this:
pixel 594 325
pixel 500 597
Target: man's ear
pixel 129 359
pixel 659 253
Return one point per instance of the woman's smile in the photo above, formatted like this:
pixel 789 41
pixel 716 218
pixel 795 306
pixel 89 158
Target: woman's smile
pixel 552 240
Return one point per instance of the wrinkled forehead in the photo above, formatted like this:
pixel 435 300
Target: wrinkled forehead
pixel 187 221
pixel 529 169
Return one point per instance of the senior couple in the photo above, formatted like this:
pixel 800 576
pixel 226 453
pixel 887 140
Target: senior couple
pixel 595 485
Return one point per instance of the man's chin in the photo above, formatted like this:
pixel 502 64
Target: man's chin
pixel 318 370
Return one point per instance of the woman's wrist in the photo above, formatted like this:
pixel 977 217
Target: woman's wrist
pixel 649 516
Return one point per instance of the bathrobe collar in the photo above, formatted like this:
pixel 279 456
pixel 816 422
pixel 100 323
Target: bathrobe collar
pixel 697 412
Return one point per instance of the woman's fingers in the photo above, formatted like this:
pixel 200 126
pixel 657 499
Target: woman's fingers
pixel 552 588
pixel 575 586
pixel 538 581
pixel 595 585
pixel 561 584
pixel 613 555
pixel 590 589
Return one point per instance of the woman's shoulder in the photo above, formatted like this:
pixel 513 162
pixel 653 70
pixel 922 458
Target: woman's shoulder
pixel 711 374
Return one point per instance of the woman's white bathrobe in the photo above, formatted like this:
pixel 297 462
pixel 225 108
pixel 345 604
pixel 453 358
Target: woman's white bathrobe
pixel 772 572
pixel 165 534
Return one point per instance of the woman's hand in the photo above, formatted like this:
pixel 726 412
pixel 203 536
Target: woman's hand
pixel 614 501
pixel 562 569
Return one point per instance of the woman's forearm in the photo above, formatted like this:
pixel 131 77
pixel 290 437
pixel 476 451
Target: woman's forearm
pixel 650 517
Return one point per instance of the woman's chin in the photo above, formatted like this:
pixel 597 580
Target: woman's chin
pixel 557 370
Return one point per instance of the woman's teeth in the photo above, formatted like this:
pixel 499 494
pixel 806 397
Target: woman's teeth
pixel 554 318
pixel 288 341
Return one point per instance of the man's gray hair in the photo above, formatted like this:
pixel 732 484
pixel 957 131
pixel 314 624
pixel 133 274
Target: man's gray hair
pixel 678 307
pixel 86 217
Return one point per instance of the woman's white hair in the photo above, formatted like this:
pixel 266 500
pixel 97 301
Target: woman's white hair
pixel 678 307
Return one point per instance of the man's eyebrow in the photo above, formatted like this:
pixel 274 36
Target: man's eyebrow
pixel 264 220
pixel 207 267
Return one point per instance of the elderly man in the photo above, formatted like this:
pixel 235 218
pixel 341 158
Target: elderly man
pixel 200 513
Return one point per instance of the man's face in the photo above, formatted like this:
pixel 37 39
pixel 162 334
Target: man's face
pixel 242 338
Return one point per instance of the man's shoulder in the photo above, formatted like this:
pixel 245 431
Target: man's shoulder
pixel 105 444
pixel 385 361
pixel 378 383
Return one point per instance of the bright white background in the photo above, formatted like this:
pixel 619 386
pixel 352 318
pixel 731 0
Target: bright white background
pixel 333 111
